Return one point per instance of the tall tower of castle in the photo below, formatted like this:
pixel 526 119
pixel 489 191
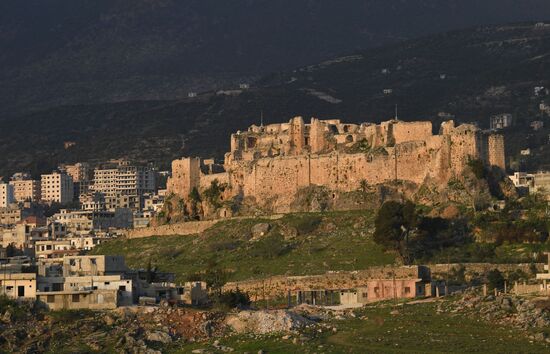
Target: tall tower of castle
pixel 317 136
pixel 186 174
pixel 297 134
pixel 495 151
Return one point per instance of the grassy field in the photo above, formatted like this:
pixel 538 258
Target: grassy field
pixel 297 244
pixel 416 329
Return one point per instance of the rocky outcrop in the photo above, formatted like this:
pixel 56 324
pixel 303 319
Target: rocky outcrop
pixel 531 315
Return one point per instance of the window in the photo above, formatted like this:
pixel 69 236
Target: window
pixel 76 298
pixel 122 288
pixel 180 291
pixel 365 295
pixel 107 283
pixel 407 290
pixel 50 299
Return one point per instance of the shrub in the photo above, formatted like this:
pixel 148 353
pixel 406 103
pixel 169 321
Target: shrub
pixel 233 298
pixel 478 168
pixel 305 224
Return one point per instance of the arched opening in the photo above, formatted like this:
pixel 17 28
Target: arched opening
pixel 349 139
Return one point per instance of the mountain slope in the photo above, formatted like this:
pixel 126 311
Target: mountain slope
pixel 59 52
pixel 487 70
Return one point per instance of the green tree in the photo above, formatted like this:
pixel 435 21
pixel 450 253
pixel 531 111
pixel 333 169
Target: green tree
pixel 215 276
pixel 11 250
pixel 495 279
pixel 393 225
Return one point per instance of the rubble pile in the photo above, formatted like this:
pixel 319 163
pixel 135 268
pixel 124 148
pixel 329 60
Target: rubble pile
pixel 264 322
pixel 530 315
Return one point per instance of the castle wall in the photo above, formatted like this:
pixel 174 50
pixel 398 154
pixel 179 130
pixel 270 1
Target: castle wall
pixel 411 131
pixel 206 180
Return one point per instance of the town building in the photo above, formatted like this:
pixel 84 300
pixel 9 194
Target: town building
pixel 84 221
pixel 501 121
pixel 545 277
pixel 18 285
pixel 26 190
pixel 80 174
pixel 537 125
pixel 54 249
pixel 123 184
pixel 57 187
pixel 11 215
pixel 6 195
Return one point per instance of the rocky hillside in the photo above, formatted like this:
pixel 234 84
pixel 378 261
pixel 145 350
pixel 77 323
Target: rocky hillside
pixel 56 52
pixel 432 325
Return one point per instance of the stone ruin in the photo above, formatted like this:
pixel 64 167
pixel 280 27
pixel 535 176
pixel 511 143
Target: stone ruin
pixel 269 165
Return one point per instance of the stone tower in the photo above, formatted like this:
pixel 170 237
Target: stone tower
pixel 495 151
pixel 317 136
pixel 186 174
pixel 297 135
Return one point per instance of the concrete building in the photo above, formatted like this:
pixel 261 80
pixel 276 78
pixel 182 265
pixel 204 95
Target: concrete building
pixel 26 190
pixel 57 187
pixel 189 293
pixel 84 221
pixel 6 195
pixel 544 287
pixel 93 265
pixel 388 289
pixel 78 172
pixel 54 249
pixel 18 285
pixel 501 121
pixel 86 242
pixel 123 184
pixel 11 215
pixel 79 299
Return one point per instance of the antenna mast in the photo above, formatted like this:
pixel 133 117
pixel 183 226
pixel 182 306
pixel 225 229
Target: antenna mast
pixel 396 116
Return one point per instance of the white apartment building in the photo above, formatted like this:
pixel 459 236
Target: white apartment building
pixel 501 121
pixel 6 195
pixel 57 187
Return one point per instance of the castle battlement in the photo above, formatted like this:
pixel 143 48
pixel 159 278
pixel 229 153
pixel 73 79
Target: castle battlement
pixel 272 163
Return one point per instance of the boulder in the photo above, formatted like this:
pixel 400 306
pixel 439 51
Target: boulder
pixel 158 336
pixel 260 230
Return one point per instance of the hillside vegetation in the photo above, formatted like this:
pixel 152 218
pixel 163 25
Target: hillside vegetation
pixel 471 74
pixel 58 52
pixel 297 244
pixel 312 243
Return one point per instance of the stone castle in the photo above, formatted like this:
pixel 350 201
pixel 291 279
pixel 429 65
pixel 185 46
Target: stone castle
pixel 269 165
